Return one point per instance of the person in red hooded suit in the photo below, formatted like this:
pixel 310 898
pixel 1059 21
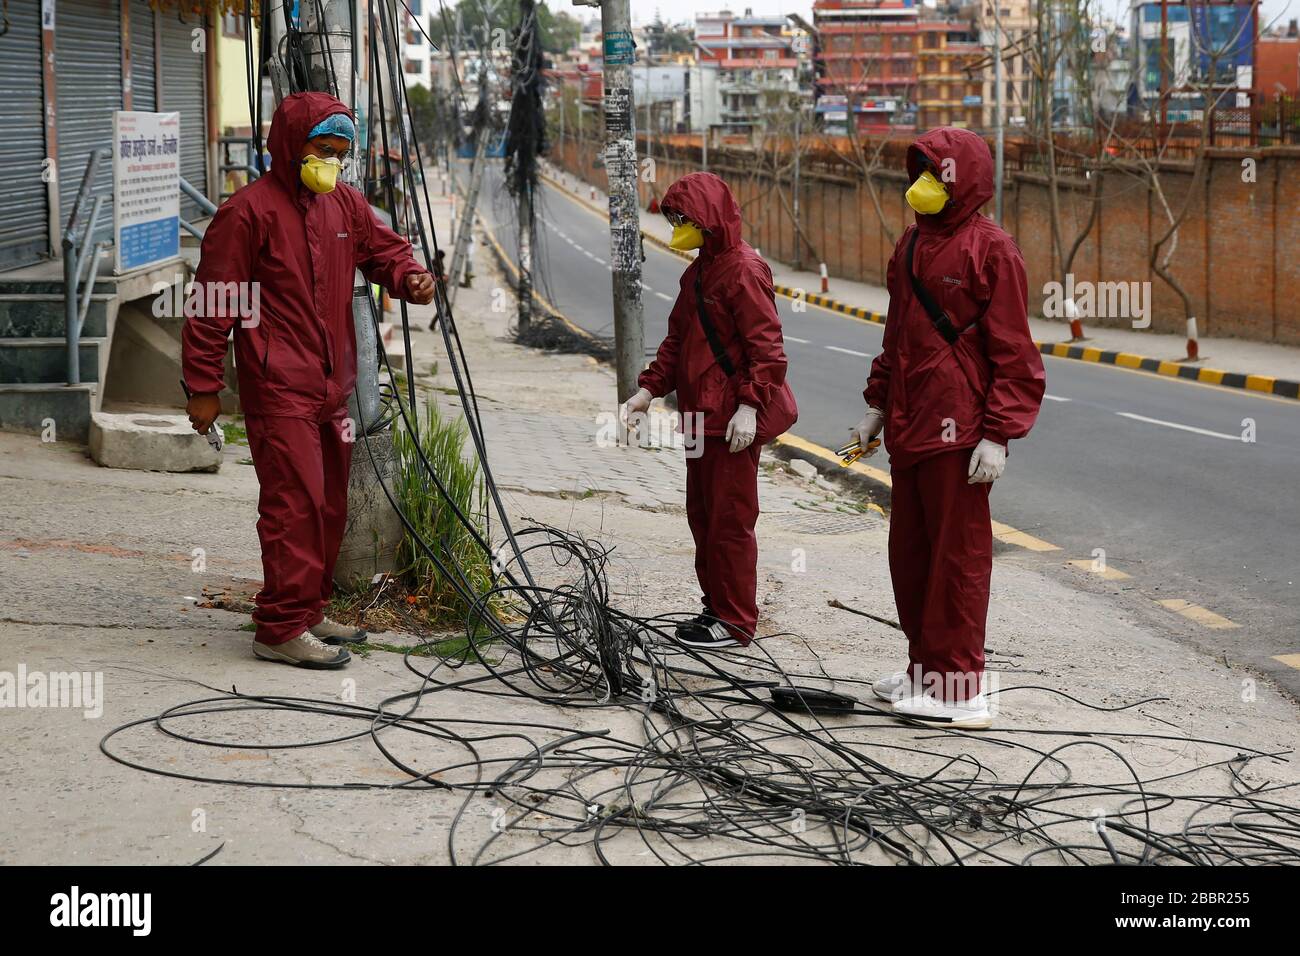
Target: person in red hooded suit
pixel 290 243
pixel 732 395
pixel 950 391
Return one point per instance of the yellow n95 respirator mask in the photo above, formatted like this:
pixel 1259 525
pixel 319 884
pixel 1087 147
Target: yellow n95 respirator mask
pixel 927 195
pixel 686 236
pixel 320 175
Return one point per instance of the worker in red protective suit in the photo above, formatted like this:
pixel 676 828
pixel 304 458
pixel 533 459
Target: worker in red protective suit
pixel 950 391
pixel 732 396
pixel 290 243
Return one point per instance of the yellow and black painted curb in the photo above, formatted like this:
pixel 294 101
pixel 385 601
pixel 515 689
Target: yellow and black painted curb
pixel 1207 376
pixel 1266 384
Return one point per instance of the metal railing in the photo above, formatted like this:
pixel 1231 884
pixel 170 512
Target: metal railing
pixel 230 164
pixel 76 253
pixel 206 205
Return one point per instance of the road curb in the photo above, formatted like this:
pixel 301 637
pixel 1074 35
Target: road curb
pixel 1207 376
pixel 1265 384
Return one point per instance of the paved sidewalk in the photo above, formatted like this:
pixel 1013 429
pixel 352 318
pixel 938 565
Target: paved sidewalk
pixel 1237 356
pixel 99 568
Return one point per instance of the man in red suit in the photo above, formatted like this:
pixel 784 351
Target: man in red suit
pixel 725 358
pixel 959 377
pixel 295 238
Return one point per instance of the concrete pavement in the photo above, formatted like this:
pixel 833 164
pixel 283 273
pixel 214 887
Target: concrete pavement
pixel 98 569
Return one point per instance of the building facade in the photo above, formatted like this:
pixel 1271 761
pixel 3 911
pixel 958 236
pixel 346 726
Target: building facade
pixel 757 68
pixel 65 67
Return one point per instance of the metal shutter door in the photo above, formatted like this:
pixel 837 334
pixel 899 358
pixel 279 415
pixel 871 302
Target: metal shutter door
pixel 184 91
pixel 24 212
pixel 144 86
pixel 88 71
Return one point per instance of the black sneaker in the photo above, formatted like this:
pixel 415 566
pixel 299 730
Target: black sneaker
pixel 698 621
pixel 715 635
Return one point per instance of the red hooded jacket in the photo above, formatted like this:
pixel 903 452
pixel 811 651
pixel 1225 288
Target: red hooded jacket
pixel 738 294
pixel 988 384
pixel 296 356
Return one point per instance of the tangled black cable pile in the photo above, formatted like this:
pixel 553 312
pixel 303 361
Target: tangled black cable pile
pixel 681 756
pixel 703 769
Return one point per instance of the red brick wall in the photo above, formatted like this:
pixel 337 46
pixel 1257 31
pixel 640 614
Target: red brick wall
pixel 1242 273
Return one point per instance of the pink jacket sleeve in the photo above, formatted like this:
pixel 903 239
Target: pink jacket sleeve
pixel 225 264
pixel 758 326
pixel 382 255
pixel 1018 381
pixel 877 391
pixel 660 377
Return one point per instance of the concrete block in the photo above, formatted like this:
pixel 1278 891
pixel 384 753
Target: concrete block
pixel 146 441
pixel 804 469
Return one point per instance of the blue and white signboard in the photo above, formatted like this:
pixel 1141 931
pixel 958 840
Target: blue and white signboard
pixel 146 188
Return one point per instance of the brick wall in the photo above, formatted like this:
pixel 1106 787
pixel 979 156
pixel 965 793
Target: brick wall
pixel 1236 255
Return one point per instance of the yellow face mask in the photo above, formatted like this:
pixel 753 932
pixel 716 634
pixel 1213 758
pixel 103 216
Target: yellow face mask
pixel 927 195
pixel 686 236
pixel 320 175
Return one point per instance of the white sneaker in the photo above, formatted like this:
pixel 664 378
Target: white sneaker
pixel 973 714
pixel 894 687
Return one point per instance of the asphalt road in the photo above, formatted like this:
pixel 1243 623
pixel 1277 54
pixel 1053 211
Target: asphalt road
pixel 1153 470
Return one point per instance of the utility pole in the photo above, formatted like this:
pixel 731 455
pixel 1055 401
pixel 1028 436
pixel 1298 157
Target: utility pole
pixel 798 246
pixel 624 211
pixel 482 129
pixel 524 141
pixel 999 133
pixel 649 119
pixel 329 29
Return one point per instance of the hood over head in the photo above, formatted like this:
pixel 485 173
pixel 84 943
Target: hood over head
pixel 963 163
pixel 705 200
pixel 294 118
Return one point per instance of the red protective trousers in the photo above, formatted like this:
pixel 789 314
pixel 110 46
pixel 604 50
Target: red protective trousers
pixel 722 509
pixel 940 559
pixel 302 466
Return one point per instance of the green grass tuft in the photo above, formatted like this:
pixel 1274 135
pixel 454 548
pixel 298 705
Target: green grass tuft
pixel 443 441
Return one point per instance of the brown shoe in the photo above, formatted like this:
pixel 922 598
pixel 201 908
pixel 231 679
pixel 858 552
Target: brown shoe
pixel 303 651
pixel 332 632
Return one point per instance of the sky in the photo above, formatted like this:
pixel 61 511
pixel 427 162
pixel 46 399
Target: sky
pixel 643 11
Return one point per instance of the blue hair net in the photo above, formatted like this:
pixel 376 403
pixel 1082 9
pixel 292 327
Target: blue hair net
pixel 337 125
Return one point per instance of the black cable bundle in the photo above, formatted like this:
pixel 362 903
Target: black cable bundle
pixel 526 131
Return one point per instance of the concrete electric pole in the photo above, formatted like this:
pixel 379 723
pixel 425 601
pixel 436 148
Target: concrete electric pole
pixel 624 210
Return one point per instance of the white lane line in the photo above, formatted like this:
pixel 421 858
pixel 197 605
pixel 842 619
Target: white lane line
pixel 791 338
pixel 836 348
pixel 665 296
pixel 1185 428
pixel 599 259
pixel 1057 398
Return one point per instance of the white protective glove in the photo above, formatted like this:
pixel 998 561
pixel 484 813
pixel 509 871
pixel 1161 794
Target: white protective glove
pixel 637 404
pixel 986 462
pixel 742 427
pixel 867 429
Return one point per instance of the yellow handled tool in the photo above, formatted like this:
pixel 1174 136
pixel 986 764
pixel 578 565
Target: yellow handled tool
pixel 853 451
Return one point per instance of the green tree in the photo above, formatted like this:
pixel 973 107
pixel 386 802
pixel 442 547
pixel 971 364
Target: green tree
pixel 560 31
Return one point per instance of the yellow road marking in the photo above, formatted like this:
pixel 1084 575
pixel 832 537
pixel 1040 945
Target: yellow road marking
pixel 1202 616
pixel 1218 389
pixel 1290 660
pixel 825 454
pixel 1003 532
pixel 1109 573
pixel 1021 539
